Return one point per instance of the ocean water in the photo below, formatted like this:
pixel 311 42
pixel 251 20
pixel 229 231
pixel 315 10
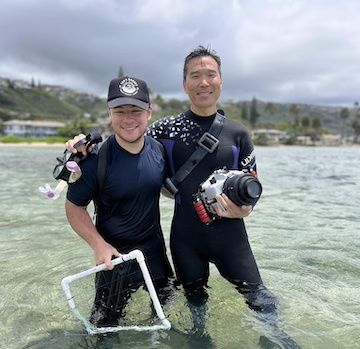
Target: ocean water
pixel 304 232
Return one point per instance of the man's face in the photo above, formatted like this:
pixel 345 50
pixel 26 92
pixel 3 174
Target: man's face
pixel 129 122
pixel 203 85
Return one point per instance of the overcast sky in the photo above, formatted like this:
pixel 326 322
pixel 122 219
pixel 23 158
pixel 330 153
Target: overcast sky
pixel 276 50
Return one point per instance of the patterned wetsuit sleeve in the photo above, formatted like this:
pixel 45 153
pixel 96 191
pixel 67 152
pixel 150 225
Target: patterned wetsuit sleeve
pixel 156 129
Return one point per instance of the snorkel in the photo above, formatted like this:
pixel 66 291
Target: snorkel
pixel 76 173
pixel 67 170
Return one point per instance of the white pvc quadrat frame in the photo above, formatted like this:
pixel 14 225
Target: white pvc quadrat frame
pixel 92 329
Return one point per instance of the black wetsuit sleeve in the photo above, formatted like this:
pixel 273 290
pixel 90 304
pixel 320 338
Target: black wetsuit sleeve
pixel 247 153
pixel 83 190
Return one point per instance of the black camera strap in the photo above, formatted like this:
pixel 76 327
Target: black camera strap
pixel 101 168
pixel 207 144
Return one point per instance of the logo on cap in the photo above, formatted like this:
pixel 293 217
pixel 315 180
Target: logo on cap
pixel 129 87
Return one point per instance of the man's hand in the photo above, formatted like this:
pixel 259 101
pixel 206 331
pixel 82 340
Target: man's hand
pixel 232 210
pixel 71 142
pixel 104 253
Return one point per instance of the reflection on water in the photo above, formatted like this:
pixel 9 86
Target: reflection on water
pixel 304 233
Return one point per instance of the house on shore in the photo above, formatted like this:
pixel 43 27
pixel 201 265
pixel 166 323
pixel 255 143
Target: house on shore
pixel 42 129
pixel 272 134
pixel 31 129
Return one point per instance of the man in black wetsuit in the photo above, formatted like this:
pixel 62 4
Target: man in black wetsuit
pixel 128 206
pixel 224 241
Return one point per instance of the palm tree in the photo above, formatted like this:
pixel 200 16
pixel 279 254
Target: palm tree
pixel 121 72
pixel 356 123
pixel 356 126
pixel 317 126
pixel 244 111
pixel 305 123
pixel 270 109
pixel 254 115
pixel 344 115
pixel 294 110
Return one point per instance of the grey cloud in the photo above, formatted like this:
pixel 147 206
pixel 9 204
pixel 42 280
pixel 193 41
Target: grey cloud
pixel 279 50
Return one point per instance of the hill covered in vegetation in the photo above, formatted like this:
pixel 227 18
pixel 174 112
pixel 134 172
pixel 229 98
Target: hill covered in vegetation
pixel 25 100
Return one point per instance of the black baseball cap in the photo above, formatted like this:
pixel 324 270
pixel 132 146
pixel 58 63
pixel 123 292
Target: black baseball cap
pixel 128 91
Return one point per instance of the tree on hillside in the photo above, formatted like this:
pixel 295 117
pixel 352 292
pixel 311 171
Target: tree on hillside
pixel 121 72
pixel 305 123
pixel 356 123
pixel 254 115
pixel 356 127
pixel 270 109
pixel 317 126
pixel 175 105
pixel 76 126
pixel 344 115
pixel 294 110
pixel 159 101
pixel 244 111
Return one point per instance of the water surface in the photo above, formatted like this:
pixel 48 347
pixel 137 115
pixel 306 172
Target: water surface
pixel 304 233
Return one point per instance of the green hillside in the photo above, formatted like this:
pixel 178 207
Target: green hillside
pixel 24 100
pixel 19 100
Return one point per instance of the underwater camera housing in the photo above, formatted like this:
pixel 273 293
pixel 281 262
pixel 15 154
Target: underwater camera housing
pixel 61 170
pixel 242 188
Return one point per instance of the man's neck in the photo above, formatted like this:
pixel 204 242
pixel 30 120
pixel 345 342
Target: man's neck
pixel 204 112
pixel 133 147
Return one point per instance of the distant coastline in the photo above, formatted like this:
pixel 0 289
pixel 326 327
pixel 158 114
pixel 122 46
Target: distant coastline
pixel 32 144
pixel 62 145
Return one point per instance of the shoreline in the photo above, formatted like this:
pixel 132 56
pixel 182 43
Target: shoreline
pixel 62 145
pixel 32 144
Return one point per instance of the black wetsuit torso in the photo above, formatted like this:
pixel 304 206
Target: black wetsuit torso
pixel 128 216
pixel 224 241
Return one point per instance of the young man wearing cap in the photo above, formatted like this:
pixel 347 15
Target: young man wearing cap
pixel 128 207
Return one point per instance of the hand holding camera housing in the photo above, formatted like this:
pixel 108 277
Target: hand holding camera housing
pixel 242 188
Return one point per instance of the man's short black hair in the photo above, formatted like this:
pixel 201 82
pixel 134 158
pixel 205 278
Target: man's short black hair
pixel 201 51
